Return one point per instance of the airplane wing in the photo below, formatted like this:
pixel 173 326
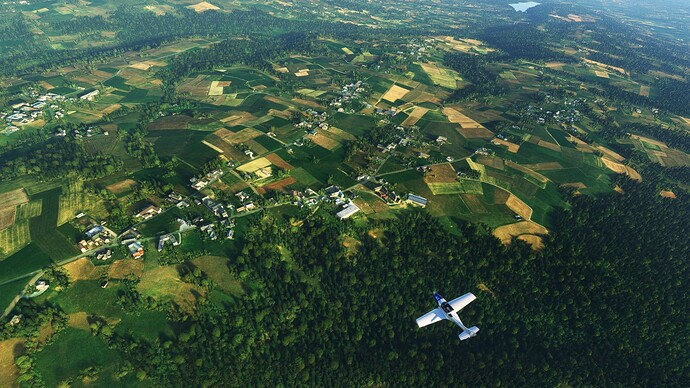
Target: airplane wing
pixel 433 316
pixel 460 302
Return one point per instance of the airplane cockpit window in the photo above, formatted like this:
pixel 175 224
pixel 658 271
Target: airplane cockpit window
pixel 447 307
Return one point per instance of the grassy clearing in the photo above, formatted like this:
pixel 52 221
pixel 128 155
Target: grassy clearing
pixel 9 350
pixel 87 295
pixel 216 268
pixel 147 324
pixel 67 356
pixel 164 284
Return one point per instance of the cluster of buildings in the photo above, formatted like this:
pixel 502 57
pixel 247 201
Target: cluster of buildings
pixel 349 93
pixel 96 236
pixel 201 183
pixel 80 133
pixel 25 113
pixel 387 195
pixel 104 254
pixel 313 120
pixel 245 200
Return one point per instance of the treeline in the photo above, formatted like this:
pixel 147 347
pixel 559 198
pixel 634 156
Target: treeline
pixel 57 158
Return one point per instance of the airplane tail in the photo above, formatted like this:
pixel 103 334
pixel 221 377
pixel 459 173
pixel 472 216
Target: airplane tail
pixel 469 333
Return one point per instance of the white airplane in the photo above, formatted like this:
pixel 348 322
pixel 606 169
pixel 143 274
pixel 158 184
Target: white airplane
pixel 449 311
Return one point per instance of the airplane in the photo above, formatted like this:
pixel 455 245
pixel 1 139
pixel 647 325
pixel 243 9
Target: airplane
pixel 449 311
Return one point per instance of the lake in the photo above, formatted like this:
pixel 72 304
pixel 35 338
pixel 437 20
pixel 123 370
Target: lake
pixel 522 7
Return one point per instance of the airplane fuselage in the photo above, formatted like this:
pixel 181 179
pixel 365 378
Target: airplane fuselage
pixel 448 311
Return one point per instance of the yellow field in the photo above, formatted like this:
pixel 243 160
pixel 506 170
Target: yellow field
pixel 443 77
pixel 123 268
pixel 13 198
pixel 469 128
pixel 325 141
pixel 605 66
pixel 302 73
pixel 417 113
pixel 622 169
pixel 506 232
pixel 216 88
pixel 611 154
pixel 347 51
pixel 441 173
pixel 395 93
pixel 9 350
pixel 146 65
pixel 254 165
pixel 519 207
pixel 121 186
pixel 668 194
pixel 7 217
pixel 471 46
pixel 238 137
pixel 83 269
pixel 212 147
pixel 203 6
pixel 512 147
pixel 601 74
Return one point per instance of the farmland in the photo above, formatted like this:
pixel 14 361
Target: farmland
pixel 224 137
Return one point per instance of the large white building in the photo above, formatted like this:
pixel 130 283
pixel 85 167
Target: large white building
pixel 348 211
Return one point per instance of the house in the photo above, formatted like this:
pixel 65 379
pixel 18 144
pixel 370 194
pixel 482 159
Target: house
pixel 348 211
pixel 416 200
pixel 149 212
pixel 167 238
pixel 104 255
pixel 215 207
pixel 136 249
pixel 94 231
pixel 334 192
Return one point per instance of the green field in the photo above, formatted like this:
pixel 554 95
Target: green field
pixel 44 231
pixel 63 358
pixel 28 259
